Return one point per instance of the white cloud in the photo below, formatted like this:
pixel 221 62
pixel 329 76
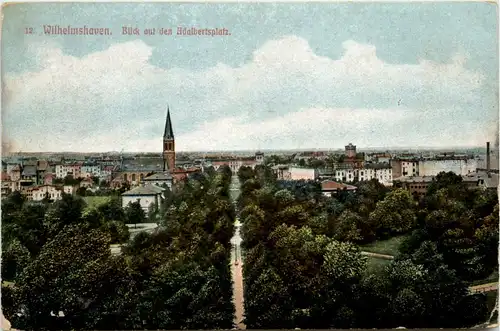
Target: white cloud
pixel 286 96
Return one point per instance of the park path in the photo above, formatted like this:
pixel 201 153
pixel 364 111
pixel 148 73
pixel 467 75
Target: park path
pixel 377 255
pixel 236 262
pixel 237 273
pixel 484 288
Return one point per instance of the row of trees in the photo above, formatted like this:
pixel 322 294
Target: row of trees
pixel 62 274
pixel 303 267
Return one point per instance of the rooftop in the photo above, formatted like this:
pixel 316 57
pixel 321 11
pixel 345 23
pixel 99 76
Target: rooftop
pixel 378 166
pixel 159 176
pixel 330 185
pixel 29 170
pixel 144 190
pixel 415 179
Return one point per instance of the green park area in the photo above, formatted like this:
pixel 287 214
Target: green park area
pixel 386 247
pixel 95 201
pixel 375 265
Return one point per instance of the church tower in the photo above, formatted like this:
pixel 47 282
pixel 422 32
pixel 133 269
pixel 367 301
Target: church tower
pixel 168 145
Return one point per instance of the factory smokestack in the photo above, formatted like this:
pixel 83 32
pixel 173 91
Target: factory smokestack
pixel 488 157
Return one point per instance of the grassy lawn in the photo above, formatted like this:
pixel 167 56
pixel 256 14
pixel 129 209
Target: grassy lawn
pixel 95 201
pixel 375 265
pixel 490 279
pixel 388 247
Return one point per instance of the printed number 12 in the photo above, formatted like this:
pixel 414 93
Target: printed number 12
pixel 28 31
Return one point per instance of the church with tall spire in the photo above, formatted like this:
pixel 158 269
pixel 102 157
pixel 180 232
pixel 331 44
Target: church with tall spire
pixel 168 145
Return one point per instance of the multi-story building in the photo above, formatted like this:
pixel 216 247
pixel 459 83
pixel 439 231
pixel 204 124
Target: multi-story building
pixel 15 172
pixel 346 172
pixel 431 166
pixel 38 193
pixel 381 172
pixel 42 168
pixel 29 173
pixel 90 170
pixel 259 157
pixel 418 185
pixel 282 172
pixel 236 164
pixel 409 168
pixel 70 189
pixel 303 173
pixel 106 172
pixel 72 169
pixel 5 187
pixel 459 165
pixel 350 151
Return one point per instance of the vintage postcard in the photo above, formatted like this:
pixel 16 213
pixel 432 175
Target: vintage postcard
pixel 238 165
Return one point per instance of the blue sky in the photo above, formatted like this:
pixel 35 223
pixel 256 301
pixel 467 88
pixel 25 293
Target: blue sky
pixel 290 75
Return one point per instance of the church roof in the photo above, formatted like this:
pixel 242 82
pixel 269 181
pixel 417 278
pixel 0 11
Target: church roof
pixel 159 176
pixel 169 133
pixel 144 190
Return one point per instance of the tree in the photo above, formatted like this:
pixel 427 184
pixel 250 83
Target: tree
pixel 316 163
pixel 395 214
pixel 487 239
pixel 245 173
pixel 118 231
pixel 70 180
pixel 152 213
pixel 431 296
pixel 112 210
pixel 448 180
pixel 267 302
pixel 74 273
pixel 349 226
pixel 14 260
pixel 81 191
pixel 134 213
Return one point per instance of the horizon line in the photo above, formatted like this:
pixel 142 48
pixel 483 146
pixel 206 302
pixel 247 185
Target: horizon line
pixel 420 148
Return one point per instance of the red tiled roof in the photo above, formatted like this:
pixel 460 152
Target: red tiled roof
pixel 330 185
pixel 5 176
pixel 220 163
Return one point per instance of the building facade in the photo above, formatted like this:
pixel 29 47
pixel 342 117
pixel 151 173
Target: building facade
pixel 350 151
pixel 146 195
pixel 303 173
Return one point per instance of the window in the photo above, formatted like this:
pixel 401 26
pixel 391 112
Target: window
pixel 133 177
pixel 125 177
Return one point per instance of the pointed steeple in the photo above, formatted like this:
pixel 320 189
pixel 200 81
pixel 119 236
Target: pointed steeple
pixel 169 133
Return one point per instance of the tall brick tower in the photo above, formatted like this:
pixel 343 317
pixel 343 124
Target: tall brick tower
pixel 168 145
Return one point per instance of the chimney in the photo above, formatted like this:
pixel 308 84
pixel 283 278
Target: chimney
pixel 488 157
